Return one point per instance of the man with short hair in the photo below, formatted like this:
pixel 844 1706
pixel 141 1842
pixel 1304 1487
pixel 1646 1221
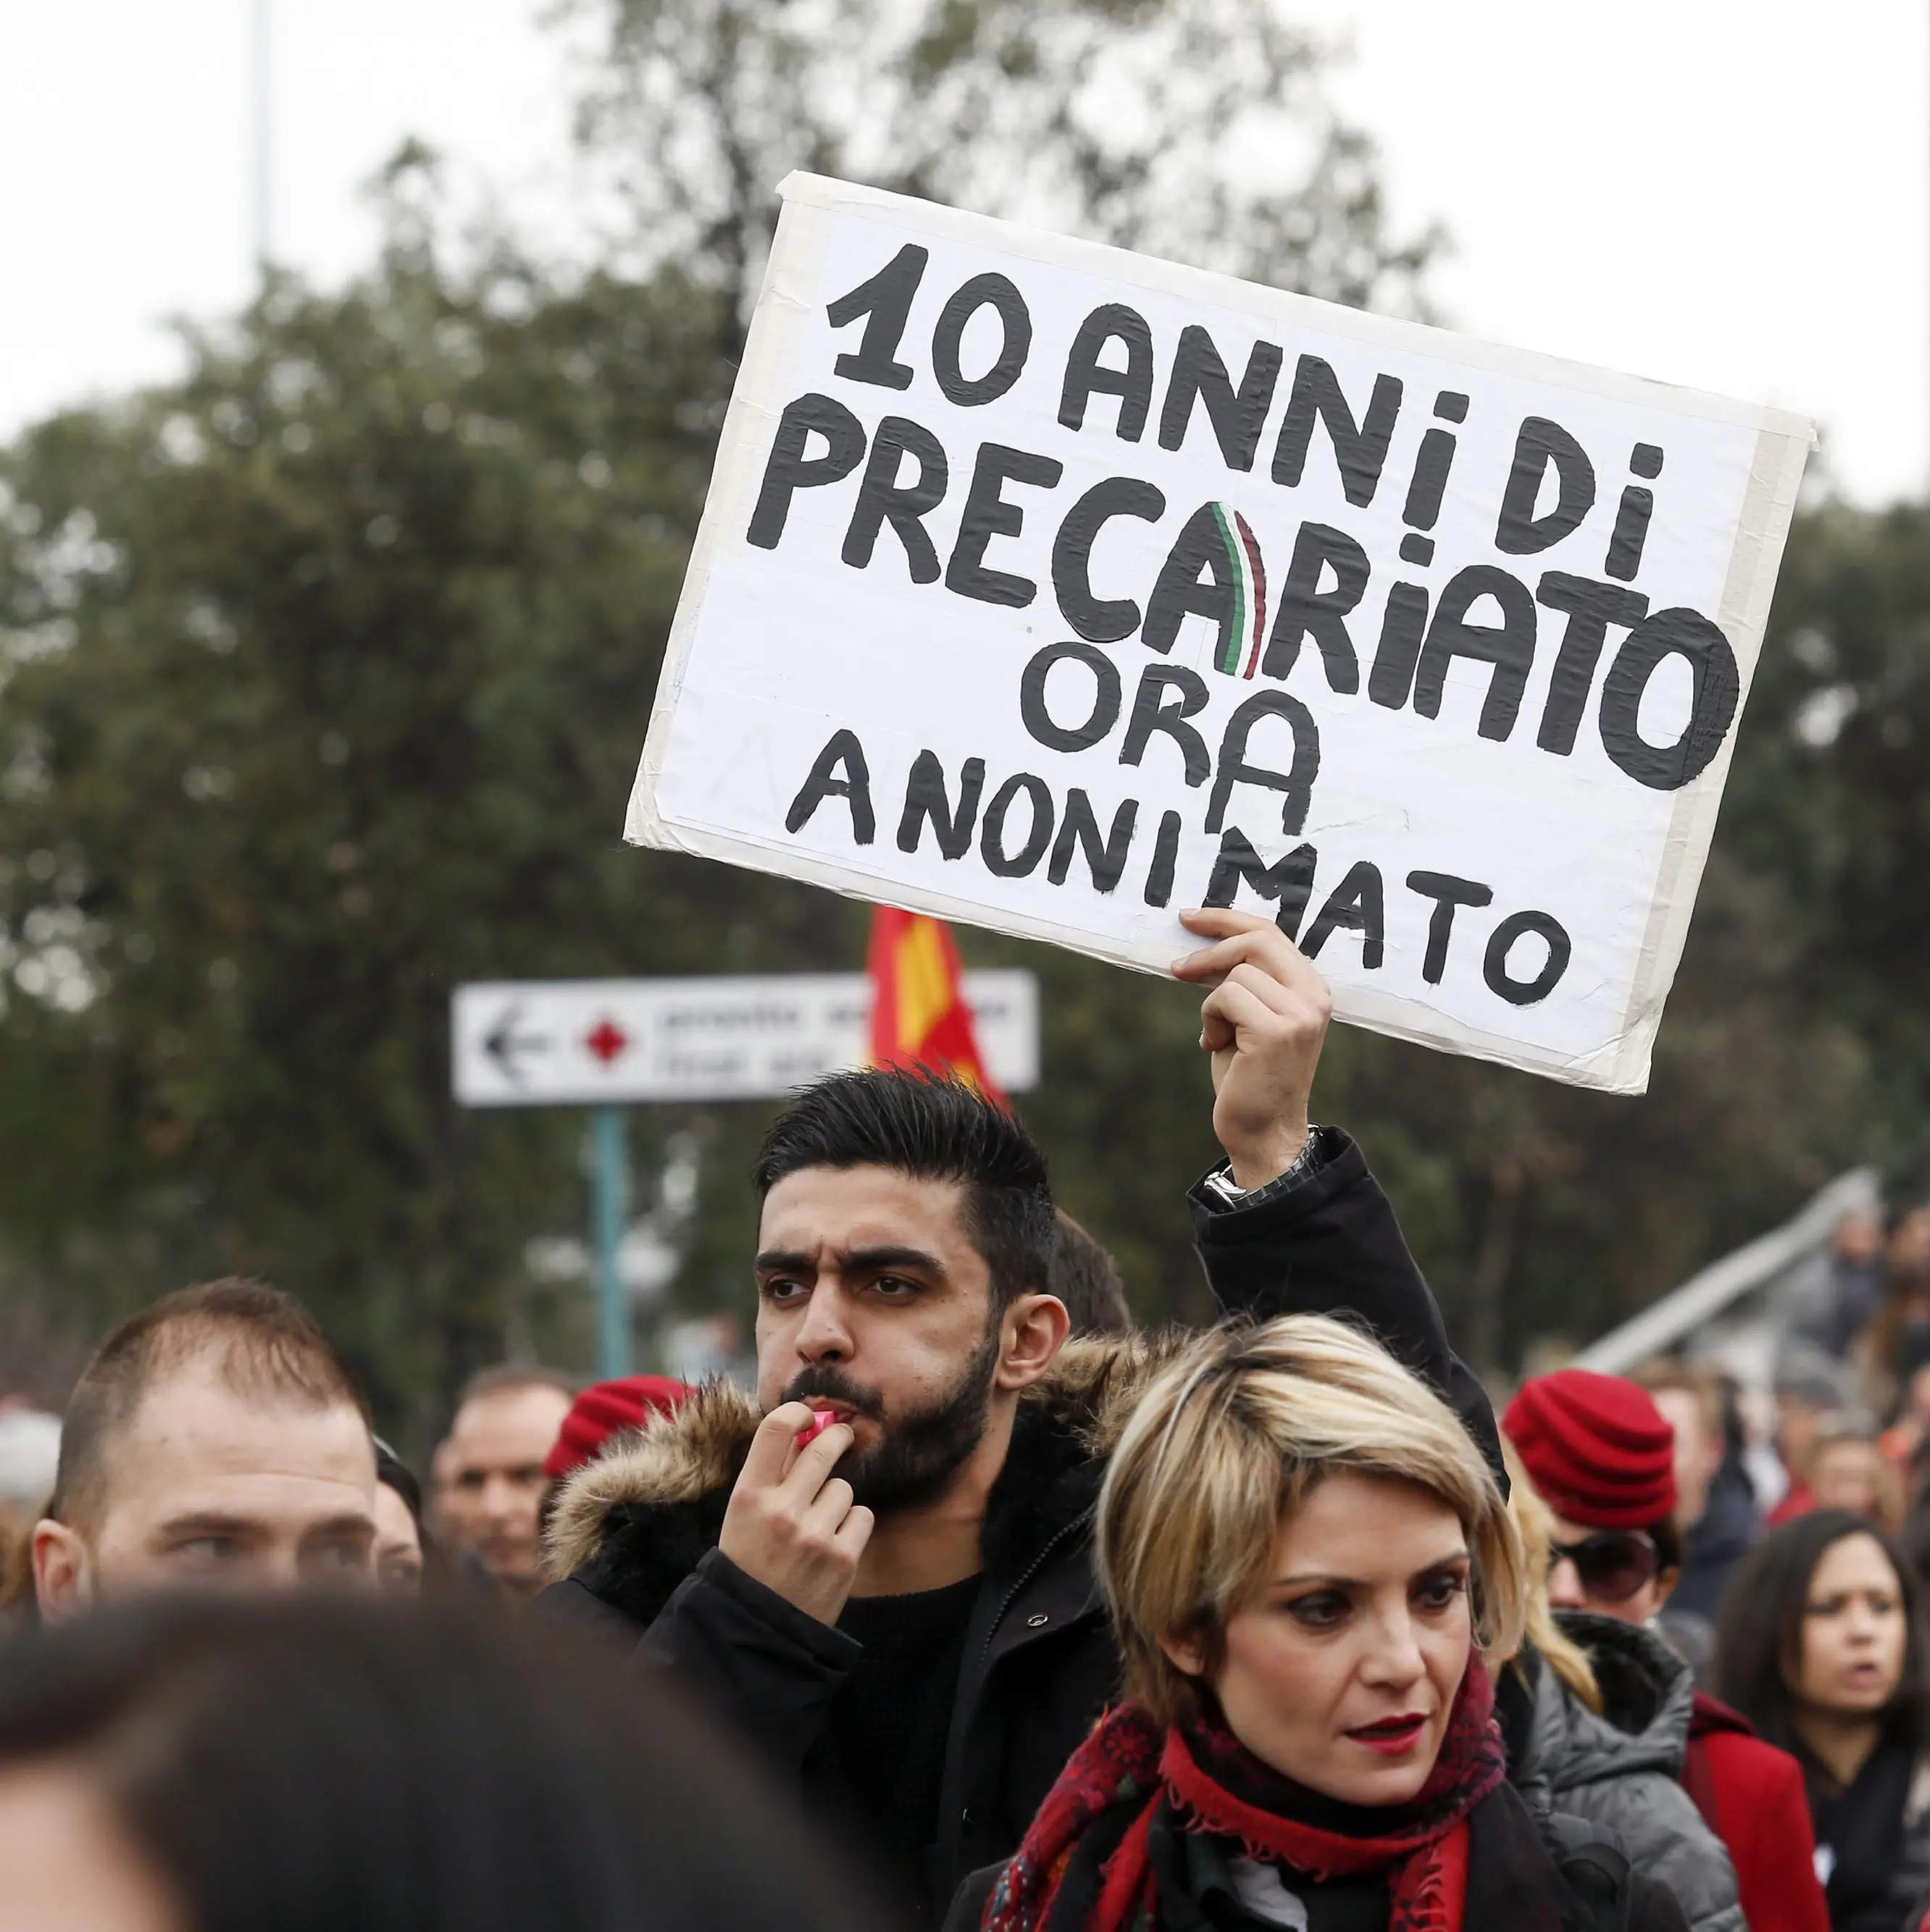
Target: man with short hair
pixel 902 1610
pixel 505 1425
pixel 217 1437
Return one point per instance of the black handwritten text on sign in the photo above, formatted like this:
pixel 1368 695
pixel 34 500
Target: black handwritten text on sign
pixel 1059 589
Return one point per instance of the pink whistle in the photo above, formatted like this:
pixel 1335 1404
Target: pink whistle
pixel 821 1419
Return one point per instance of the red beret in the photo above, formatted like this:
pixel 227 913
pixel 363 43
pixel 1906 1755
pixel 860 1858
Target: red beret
pixel 605 1409
pixel 1596 1448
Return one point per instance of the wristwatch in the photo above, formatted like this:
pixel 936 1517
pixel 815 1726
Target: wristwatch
pixel 1221 1184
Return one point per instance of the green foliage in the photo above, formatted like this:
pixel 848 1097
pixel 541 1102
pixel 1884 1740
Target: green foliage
pixel 326 674
pixel 1195 129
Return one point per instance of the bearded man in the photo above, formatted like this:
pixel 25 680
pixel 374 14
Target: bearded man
pixel 902 1609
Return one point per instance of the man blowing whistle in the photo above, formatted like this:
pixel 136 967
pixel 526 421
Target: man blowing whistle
pixel 901 1608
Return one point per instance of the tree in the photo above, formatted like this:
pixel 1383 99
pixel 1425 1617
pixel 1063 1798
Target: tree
pixel 1196 129
pixel 325 675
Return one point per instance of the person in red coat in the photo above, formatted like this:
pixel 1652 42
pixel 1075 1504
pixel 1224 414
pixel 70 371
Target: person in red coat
pixel 1602 1457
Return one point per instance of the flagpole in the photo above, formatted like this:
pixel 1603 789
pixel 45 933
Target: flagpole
pixel 264 146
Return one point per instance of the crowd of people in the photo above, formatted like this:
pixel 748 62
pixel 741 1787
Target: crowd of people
pixel 985 1608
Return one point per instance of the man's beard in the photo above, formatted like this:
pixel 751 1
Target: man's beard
pixel 917 1454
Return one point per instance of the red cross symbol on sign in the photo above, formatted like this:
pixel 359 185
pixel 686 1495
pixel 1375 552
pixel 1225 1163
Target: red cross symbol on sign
pixel 607 1041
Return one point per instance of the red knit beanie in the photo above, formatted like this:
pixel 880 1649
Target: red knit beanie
pixel 1596 1448
pixel 605 1409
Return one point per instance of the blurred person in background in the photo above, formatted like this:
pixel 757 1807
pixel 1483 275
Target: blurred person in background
pixel 1086 1278
pixel 325 1765
pixel 1810 1393
pixel 1716 1503
pixel 1311 1570
pixel 217 1437
pixel 1895 1343
pixel 902 1610
pixel 1855 1278
pixel 29 1459
pixel 438 1515
pixel 1601 1457
pixel 1907 1439
pixel 1849 1471
pixel 1822 1647
pixel 403 1547
pixel 1594 1713
pixel 506 1422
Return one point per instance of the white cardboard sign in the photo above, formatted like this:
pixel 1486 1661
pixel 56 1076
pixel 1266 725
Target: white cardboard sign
pixel 1056 589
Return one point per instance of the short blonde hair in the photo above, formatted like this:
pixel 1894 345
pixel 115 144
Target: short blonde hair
pixel 1536 1523
pixel 1234 1434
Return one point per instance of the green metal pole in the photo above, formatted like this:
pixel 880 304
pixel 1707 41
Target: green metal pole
pixel 610 1214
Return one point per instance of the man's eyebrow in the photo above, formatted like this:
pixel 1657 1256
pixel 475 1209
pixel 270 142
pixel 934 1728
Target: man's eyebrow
pixel 211 1522
pixel 345 1525
pixel 854 1261
pixel 876 1261
pixel 784 1261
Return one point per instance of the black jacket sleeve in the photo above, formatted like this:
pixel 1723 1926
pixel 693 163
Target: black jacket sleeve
pixel 1327 1243
pixel 756 1661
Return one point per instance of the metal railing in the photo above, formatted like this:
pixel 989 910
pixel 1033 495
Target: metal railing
pixel 1738 1310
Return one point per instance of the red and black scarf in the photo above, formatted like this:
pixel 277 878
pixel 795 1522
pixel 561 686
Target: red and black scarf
pixel 1085 1865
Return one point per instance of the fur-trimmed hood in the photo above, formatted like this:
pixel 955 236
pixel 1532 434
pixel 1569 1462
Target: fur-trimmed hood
pixel 631 1525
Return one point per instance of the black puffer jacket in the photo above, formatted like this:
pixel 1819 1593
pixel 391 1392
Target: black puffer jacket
pixel 636 1532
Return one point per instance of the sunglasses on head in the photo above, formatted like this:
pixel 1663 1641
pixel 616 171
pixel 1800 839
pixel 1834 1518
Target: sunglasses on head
pixel 1612 1564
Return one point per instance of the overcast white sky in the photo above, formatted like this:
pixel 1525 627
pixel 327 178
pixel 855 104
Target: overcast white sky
pixel 1733 194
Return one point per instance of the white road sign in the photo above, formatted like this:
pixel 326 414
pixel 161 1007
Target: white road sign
pixel 592 1042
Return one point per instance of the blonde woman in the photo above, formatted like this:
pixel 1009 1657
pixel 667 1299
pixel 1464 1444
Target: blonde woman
pixel 1307 1563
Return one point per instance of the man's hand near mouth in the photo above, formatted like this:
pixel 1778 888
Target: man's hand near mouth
pixel 791 1524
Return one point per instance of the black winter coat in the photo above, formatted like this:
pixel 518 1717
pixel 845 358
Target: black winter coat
pixel 635 1533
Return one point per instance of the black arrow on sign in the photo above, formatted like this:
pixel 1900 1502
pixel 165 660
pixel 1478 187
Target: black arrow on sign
pixel 503 1044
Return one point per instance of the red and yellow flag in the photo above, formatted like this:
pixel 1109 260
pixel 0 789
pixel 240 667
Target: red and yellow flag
pixel 919 1017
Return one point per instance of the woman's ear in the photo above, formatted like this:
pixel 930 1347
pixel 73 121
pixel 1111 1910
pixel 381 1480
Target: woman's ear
pixel 1665 1583
pixel 1186 1655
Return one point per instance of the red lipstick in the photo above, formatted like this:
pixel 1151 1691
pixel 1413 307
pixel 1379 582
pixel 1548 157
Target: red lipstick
pixel 1392 1737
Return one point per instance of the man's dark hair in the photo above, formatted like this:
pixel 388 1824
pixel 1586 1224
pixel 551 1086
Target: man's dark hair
pixel 1759 1631
pixel 1086 1278
pixel 320 1761
pixel 263 1344
pixel 931 1127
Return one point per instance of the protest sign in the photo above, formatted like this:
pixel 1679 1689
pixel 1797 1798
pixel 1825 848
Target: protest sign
pixel 1056 589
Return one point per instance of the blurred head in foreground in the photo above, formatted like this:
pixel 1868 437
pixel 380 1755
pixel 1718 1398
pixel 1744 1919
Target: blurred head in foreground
pixel 216 1437
pixel 505 1428
pixel 203 1764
